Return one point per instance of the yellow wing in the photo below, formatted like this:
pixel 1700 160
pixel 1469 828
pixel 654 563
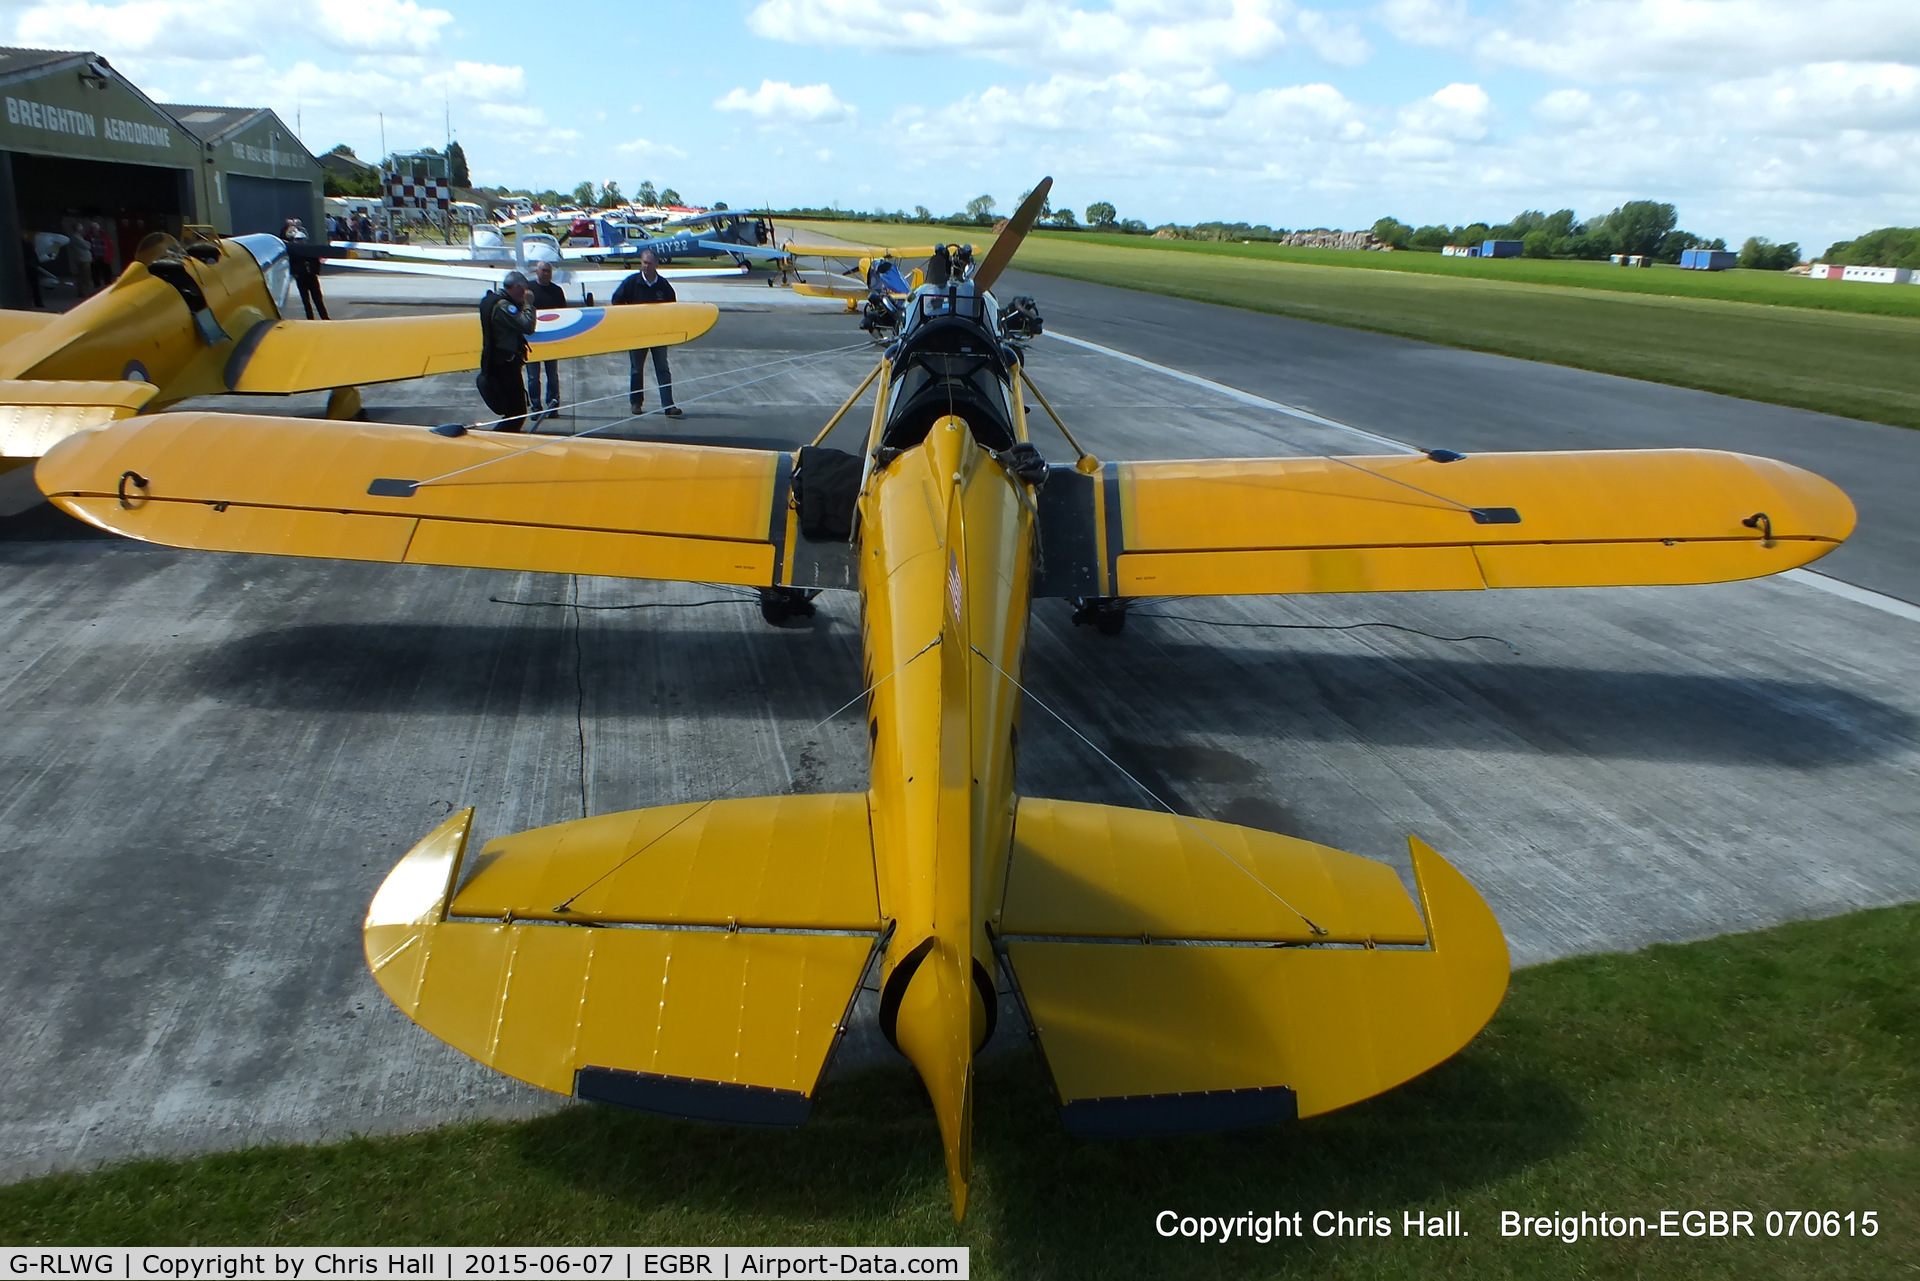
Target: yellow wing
pixel 806 289
pixel 796 250
pixel 311 355
pixel 695 960
pixel 360 491
pixel 1409 523
pixel 1192 975
pixel 35 415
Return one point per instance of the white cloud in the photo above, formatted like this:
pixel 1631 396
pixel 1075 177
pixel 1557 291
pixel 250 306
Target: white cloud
pixel 1339 43
pixel 1441 23
pixel 648 149
pixel 1458 113
pixel 145 26
pixel 215 30
pixel 1059 35
pixel 778 100
pixel 378 26
pixel 1822 99
pixel 1565 108
pixel 1603 40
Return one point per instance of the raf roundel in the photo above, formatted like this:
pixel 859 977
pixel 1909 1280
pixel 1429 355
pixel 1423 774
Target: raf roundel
pixel 558 326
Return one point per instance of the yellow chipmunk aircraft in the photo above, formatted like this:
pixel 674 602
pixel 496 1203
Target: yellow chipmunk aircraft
pixel 700 960
pixel 888 279
pixel 206 317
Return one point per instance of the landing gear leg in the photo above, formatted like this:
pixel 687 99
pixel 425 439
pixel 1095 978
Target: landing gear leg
pixel 781 605
pixel 1108 613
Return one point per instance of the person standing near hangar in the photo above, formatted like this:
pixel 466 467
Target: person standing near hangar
pixel 645 286
pixel 303 263
pixel 544 295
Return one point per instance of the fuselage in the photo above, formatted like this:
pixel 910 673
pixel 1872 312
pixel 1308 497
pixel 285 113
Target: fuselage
pixel 945 548
pixel 172 322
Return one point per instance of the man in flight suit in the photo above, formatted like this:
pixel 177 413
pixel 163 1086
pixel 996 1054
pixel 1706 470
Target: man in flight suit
pixel 544 295
pixel 509 319
pixel 644 286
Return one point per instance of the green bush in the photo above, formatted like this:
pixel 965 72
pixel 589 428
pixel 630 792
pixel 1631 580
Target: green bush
pixel 1762 254
pixel 1887 247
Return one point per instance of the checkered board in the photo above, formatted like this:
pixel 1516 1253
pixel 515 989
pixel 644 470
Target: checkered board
pixel 414 192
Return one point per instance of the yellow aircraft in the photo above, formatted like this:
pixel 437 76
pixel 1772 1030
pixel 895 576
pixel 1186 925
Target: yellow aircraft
pixel 700 960
pixel 206 317
pixel 862 279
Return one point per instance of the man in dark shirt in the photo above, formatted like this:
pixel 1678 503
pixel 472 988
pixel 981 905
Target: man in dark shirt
pixel 544 295
pixel 508 321
pixel 303 263
pixel 644 286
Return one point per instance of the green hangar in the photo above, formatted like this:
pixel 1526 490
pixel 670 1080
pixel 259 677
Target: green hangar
pixel 83 149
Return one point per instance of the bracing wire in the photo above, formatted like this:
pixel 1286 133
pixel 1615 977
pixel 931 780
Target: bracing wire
pixel 876 685
pixel 551 441
pixel 1153 795
pixel 566 904
pixel 484 423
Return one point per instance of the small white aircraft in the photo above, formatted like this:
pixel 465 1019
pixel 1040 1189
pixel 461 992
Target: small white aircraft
pixel 491 255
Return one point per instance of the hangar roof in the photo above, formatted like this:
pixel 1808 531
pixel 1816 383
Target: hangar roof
pixel 19 64
pixel 212 124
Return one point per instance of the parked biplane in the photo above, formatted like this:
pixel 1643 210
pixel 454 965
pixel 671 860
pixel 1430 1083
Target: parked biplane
pixel 743 237
pixel 700 960
pixel 207 317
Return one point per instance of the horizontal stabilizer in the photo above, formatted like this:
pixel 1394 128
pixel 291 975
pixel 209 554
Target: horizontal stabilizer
pixel 36 415
pixel 634 1003
pixel 1105 871
pixel 365 491
pixel 1169 996
pixel 1257 526
pixel 283 356
pixel 777 862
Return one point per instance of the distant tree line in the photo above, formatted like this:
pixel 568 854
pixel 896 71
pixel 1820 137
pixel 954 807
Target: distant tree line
pixel 1887 247
pixel 1644 227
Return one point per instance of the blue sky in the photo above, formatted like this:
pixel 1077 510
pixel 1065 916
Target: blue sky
pixel 1792 121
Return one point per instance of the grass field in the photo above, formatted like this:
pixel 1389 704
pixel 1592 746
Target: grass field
pixel 1769 288
pixel 1855 363
pixel 1768 1071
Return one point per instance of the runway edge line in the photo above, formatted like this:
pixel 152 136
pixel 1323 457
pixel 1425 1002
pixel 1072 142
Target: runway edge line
pixel 1234 393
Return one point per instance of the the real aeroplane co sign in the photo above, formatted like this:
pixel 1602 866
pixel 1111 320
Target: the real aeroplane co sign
pixel 482 1263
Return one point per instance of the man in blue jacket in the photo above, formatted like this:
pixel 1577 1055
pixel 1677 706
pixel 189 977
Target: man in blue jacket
pixel 644 286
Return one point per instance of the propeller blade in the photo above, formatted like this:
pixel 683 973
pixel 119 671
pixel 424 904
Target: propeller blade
pixel 1017 228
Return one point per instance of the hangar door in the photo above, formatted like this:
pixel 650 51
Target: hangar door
pixel 265 204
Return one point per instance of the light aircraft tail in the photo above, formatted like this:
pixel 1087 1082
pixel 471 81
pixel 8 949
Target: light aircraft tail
pixel 692 960
pixel 1187 975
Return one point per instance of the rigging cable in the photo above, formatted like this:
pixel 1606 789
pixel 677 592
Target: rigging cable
pixel 1248 872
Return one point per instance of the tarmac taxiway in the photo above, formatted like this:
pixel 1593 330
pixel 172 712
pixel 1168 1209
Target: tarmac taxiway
pixel 210 762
